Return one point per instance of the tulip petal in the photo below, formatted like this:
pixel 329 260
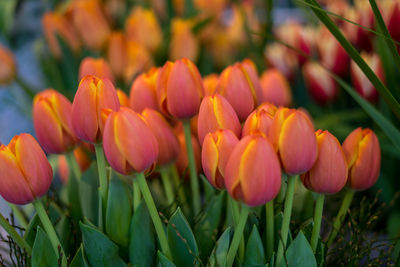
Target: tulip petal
pixel 209 159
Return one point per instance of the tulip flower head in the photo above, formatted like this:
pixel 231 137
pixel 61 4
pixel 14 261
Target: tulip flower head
pixel 281 58
pixel 260 120
pixel 183 42
pixel 25 171
pixel 275 88
pixel 210 83
pixel 143 91
pixel 123 98
pixel 97 67
pixel 7 66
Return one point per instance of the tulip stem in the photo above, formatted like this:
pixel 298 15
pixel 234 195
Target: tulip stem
pixel 153 213
pixel 337 223
pixel 136 194
pixel 194 182
pixel 236 216
pixel 237 236
pixel 48 227
pixel 169 192
pixel 19 215
pixel 14 235
pixel 319 207
pixel 281 196
pixel 73 186
pixel 179 188
pixel 269 218
pixel 287 212
pixel 101 167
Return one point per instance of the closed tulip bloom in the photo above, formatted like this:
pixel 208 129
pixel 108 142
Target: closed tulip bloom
pixel 210 83
pixel 253 173
pixel 363 154
pixel 320 83
pixel 182 162
pixel 168 144
pixel 96 67
pixel 123 98
pixel 129 144
pixel 391 14
pixel 282 58
pixel 292 135
pixel 216 113
pixel 329 173
pixel 143 91
pixel 25 171
pixel 180 89
pixel 275 88
pixel 81 157
pixel 7 66
pixel 216 149
pixel 92 96
pixel 117 53
pixel 138 60
pixel 260 120
pixel 183 42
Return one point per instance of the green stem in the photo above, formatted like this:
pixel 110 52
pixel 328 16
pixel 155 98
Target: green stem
pixel 153 213
pixel 136 194
pixel 14 235
pixel 281 196
pixel 73 186
pixel 101 167
pixel 19 216
pixel 236 216
pixel 269 214
pixel 337 223
pixel 287 212
pixel 194 182
pixel 169 192
pixel 319 207
pixel 48 227
pixel 237 236
pixel 26 88
pixel 179 187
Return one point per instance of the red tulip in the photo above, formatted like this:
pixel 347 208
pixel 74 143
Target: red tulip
pixel 282 58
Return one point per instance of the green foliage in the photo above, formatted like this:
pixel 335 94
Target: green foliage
pixel 254 249
pixel 43 254
pixel 220 252
pixel 299 253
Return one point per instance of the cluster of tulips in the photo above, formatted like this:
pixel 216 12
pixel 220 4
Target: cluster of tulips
pixel 246 142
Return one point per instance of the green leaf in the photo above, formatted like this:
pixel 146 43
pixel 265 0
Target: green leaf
pixel 89 193
pixel 43 254
pixel 278 225
pixel 299 253
pixel 142 244
pixel 64 231
pixel 79 259
pixel 7 11
pixel 181 240
pixel 208 188
pixel 254 249
pixel 119 211
pixel 220 251
pixel 99 249
pixel 68 67
pixel 163 261
pixel 307 228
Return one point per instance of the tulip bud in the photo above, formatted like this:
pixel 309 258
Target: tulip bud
pixel 183 42
pixel 129 144
pixel 363 155
pixel 210 83
pixel 93 95
pixel 96 67
pixel 360 82
pixel 138 60
pixel 320 83
pixel 168 144
pixel 260 120
pixel 81 158
pixel 329 173
pixel 275 88
pixel 391 14
pixel 117 53
pixel 216 149
pixel 252 173
pixel 292 135
pixel 7 66
pixel 281 58
pixel 216 113
pixel 143 91
pixel 25 171
pixel 123 98
pixel 57 25
pixel 182 162
pixel 180 89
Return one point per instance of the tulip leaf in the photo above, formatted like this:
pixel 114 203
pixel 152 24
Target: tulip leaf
pixel 89 193
pixel 307 228
pixel 219 254
pixel 7 11
pixel 299 253
pixel 142 244
pixel 184 251
pixel 99 249
pixel 64 231
pixel 163 261
pixel 278 225
pixel 206 228
pixel 208 188
pixel 254 250
pixel 79 260
pixel 43 253
pixel 119 211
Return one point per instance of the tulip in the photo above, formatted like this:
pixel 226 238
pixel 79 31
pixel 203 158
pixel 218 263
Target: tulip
pixel 281 58
pixel 143 91
pixel 213 7
pixel 329 173
pixel 363 156
pixel 360 82
pixel 168 144
pixel 179 89
pixel 260 120
pixel 93 95
pixel 138 60
pixel 210 83
pixel 7 66
pixel 52 120
pixel 182 162
pixel 123 98
pixel 26 172
pixel 391 15
pixel 320 83
pixel 117 53
pixel 252 173
pixel 57 25
pixel 81 158
pixel 183 42
pixel 216 149
pixel 292 135
pixel 275 88
pixel 216 113
pixel 97 67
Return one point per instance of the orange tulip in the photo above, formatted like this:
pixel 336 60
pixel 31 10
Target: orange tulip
pixel 81 158
pixel 25 171
pixel 363 154
pixel 129 144
pixel 275 88
pixel 210 83
pixel 52 120
pixel 179 89
pixel 213 7
pixel 7 66
pixel 92 96
pixel 217 147
pixel 216 113
pixel 183 42
pixel 292 135
pixel 252 173
pixel 259 120
pixel 117 53
pixel 123 98
pixel 143 91
pixel 329 173
pixel 168 144
pixel 138 60
pixel 97 67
